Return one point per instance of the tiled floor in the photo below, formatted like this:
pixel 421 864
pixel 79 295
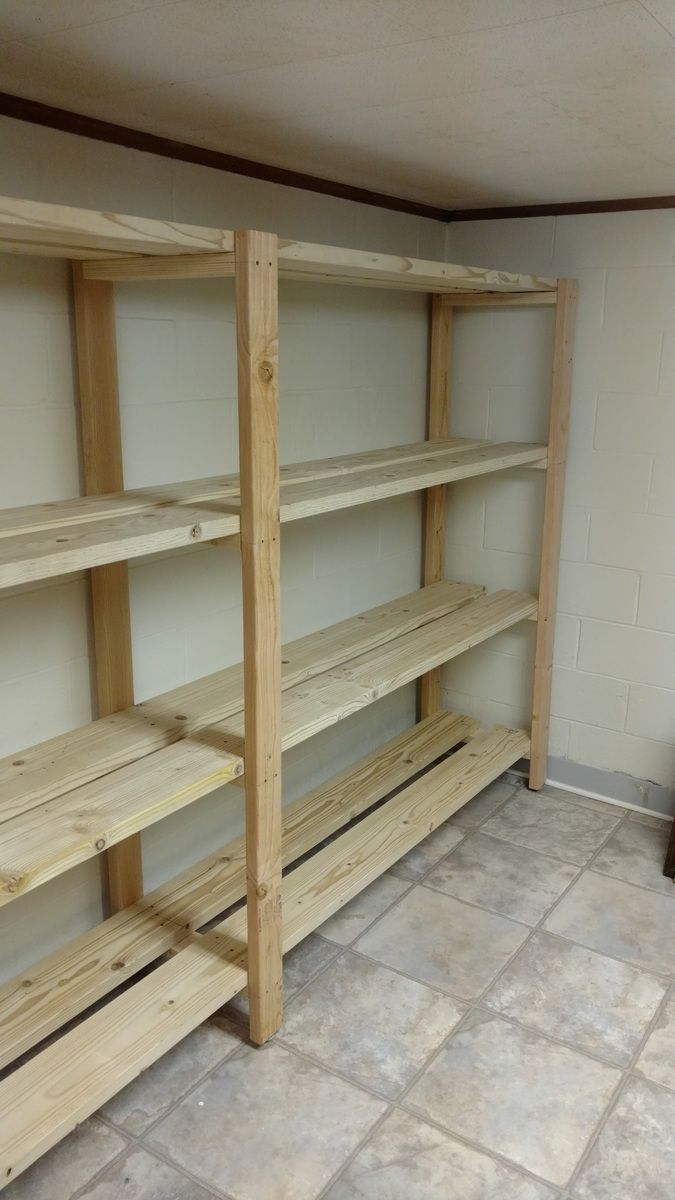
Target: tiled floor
pixel 494 1019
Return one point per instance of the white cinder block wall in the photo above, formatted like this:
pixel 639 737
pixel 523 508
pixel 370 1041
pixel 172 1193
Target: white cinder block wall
pixel 613 727
pixel 353 370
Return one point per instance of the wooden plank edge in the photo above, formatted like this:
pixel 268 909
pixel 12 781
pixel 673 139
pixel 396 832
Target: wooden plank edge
pixel 79 510
pixel 498 299
pixel 153 716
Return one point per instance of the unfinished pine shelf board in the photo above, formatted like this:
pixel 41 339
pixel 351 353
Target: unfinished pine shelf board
pixel 75 795
pixel 36 518
pixel 30 227
pixel 91 752
pixel 70 538
pixel 101 959
pixel 46 1098
pixel 41 842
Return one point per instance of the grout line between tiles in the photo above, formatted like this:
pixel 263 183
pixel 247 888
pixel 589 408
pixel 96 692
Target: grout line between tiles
pixel 471 1006
pixel 627 1076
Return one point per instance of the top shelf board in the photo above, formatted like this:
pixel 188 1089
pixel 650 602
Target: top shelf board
pixel 40 541
pixel 140 248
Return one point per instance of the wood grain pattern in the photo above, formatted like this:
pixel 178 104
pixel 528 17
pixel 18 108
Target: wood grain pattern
pixel 23 222
pixel 65 983
pixel 31 518
pixel 42 842
pixel 328 495
pixel 46 1098
pixel 257 372
pixel 552 528
pixel 340 265
pixel 320 886
pixel 70 760
pixel 433 530
pixel 101 439
pixel 46 841
pixel 47 549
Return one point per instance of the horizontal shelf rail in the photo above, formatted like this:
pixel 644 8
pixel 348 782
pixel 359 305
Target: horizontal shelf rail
pixel 40 541
pixel 331 264
pixel 42 842
pixel 141 248
pixel 33 227
pixel 43 1100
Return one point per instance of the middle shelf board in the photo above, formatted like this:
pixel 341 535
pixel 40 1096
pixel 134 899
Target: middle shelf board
pixel 41 840
pixel 40 541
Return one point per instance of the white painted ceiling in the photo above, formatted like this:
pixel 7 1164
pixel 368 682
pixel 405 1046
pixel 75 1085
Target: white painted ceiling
pixel 452 102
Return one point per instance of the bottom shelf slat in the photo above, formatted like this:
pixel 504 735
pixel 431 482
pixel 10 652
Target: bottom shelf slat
pixel 46 1098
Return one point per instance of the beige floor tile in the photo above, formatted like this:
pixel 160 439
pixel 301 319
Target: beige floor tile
pixel 266 1125
pixel 507 879
pixel 301 964
pixel 443 942
pixel 406 1159
pixel 360 912
pixel 141 1176
pixel 594 1002
pixel 70 1165
pixel 618 919
pixel 552 826
pixel 634 1157
pixel 471 815
pixel 599 806
pixel 373 1025
pixel 515 1093
pixel 657 1060
pixel 636 853
pixel 142 1102
pixel 421 858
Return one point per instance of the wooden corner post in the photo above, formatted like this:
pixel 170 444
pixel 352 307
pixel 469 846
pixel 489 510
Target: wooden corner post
pixel 102 464
pixel 256 279
pixel 433 533
pixel 553 512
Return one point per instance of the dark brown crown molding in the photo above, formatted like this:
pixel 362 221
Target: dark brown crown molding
pixel 574 208
pixel 120 135
pixel 66 121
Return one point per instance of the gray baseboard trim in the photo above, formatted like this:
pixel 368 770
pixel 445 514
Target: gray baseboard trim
pixel 612 786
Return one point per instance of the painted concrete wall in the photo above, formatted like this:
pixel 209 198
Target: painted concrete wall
pixel 614 680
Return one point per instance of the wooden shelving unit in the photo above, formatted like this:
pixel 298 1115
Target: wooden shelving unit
pixel 92 791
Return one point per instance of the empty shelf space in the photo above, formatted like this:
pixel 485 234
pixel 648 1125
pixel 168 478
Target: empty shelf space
pixel 48 1096
pixel 44 540
pixel 46 840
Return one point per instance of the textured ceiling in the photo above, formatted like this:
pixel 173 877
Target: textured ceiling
pixel 451 102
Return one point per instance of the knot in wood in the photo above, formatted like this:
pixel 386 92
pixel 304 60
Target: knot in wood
pixel 100 843
pixel 196 532
pixel 266 372
pixel 261 891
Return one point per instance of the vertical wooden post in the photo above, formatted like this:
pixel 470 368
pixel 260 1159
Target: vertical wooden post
pixel 257 372
pixel 102 461
pixel 433 534
pixel 553 513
